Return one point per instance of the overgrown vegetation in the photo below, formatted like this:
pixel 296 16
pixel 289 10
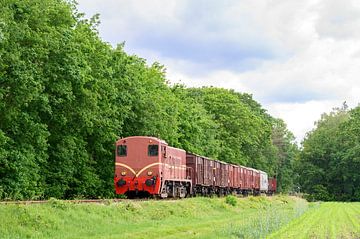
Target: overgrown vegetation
pixel 268 217
pixel 231 200
pixel 66 96
pixel 252 217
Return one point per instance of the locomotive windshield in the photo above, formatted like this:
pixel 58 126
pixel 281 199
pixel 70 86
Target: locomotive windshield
pixel 153 150
pixel 122 150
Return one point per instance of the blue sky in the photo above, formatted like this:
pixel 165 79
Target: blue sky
pixel 298 58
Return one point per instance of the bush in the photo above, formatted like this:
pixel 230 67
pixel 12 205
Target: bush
pixel 231 200
pixel 319 193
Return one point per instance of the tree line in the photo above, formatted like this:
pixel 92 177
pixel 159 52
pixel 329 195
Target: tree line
pixel 66 96
pixel 329 162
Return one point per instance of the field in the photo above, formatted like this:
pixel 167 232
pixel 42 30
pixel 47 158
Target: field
pixel 325 220
pixel 253 217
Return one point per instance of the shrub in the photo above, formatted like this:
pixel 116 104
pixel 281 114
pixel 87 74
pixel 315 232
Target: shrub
pixel 231 200
pixel 319 193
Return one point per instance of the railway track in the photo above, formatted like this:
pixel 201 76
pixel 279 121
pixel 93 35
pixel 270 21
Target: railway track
pixel 75 201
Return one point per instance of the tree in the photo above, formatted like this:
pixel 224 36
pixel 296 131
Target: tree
pixel 346 178
pixel 320 166
pixel 197 130
pixel 286 152
pixel 66 96
pixel 243 132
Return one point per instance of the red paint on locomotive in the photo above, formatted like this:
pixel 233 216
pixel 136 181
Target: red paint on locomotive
pixel 147 164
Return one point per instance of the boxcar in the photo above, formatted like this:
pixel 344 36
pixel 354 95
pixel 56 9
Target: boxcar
pixel 224 174
pixel 264 182
pixel 251 179
pixel 272 186
pixel 231 178
pixel 247 177
pixel 209 176
pixel 256 178
pixel 236 178
pixel 200 172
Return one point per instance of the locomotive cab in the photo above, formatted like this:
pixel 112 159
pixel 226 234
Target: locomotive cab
pixel 137 165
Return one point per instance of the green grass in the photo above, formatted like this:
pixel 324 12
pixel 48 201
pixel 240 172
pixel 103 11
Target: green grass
pixel 325 220
pixel 190 218
pixel 231 217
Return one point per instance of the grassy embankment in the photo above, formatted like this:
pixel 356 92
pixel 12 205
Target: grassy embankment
pixel 253 217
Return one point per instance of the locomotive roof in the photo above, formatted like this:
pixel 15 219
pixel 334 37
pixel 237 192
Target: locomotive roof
pixel 146 137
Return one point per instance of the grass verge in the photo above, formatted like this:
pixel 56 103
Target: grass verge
pixel 324 220
pixel 253 217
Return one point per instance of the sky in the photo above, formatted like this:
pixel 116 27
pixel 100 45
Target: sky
pixel 299 59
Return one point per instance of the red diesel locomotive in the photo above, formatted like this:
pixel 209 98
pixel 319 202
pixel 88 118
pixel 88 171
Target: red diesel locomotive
pixel 149 166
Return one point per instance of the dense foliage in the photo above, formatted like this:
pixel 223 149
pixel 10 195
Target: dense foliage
pixel 66 96
pixel 330 160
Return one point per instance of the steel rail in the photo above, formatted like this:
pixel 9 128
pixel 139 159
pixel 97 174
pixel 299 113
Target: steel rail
pixel 75 201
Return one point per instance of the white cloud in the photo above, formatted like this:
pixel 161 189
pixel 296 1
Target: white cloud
pixel 338 19
pixel 298 58
pixel 300 117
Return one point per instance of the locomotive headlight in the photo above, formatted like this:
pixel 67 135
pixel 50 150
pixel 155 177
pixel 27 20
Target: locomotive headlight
pixel 123 173
pixel 149 173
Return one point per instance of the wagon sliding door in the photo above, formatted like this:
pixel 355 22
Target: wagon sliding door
pixel 200 169
pixel 208 172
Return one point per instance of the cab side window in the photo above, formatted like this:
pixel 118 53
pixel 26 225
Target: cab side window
pixel 122 150
pixel 153 150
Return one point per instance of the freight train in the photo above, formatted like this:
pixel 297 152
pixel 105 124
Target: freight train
pixel 148 166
